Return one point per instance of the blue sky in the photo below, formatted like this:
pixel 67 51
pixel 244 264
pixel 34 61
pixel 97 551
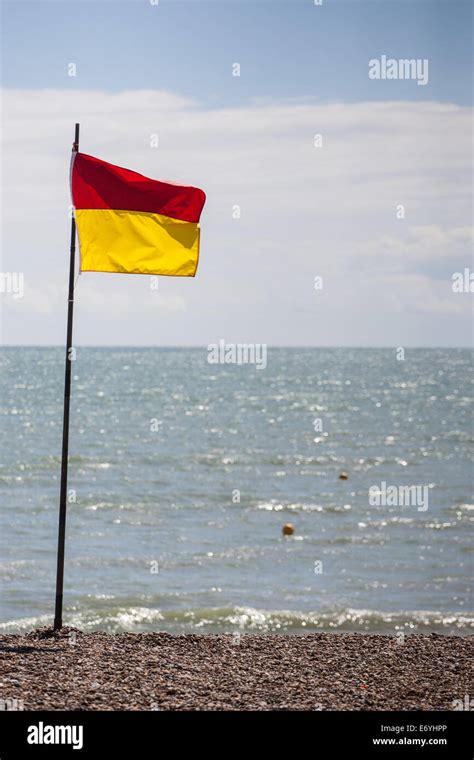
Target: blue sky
pixel 331 211
pixel 286 49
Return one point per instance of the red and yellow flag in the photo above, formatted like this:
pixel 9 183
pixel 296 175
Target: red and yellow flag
pixel 129 223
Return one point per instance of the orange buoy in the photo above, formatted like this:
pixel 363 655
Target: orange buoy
pixel 288 529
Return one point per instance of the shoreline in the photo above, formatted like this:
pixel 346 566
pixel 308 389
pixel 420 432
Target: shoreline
pixel 72 670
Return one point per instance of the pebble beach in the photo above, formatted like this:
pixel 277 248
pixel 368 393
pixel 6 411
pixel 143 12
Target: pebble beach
pixel 71 670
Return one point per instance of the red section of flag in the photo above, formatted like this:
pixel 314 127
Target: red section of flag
pixel 98 184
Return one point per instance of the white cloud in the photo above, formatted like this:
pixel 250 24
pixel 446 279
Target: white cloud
pixel 304 211
pixel 428 247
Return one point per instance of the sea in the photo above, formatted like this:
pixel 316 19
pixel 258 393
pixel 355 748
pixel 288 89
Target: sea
pixel 183 473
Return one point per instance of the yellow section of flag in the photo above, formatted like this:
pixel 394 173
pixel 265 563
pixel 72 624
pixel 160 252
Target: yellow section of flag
pixel 134 242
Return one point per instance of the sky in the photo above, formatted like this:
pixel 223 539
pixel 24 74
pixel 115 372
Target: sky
pixel 312 168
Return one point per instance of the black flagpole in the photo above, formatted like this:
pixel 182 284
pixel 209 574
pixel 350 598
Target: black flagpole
pixel 58 613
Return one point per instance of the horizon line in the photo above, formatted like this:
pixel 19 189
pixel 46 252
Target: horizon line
pixel 205 346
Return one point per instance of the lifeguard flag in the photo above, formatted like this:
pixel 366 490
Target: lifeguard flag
pixel 129 223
